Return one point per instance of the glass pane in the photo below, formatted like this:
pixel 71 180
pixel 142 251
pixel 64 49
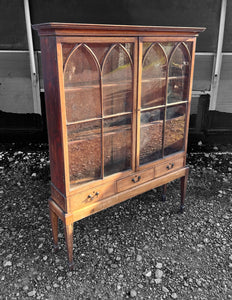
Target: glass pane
pixel 100 50
pixel 82 86
pixel 168 47
pixel 154 77
pixel 84 149
pixel 178 76
pixel 66 49
pixel 174 129
pixel 145 47
pixel 129 47
pixel 117 144
pixel 151 130
pixel 117 82
pixel 190 46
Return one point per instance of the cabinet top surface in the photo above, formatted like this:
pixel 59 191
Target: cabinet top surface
pixel 76 28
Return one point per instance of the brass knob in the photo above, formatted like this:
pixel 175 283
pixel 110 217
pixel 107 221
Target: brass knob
pixel 134 179
pixel 95 194
pixel 170 166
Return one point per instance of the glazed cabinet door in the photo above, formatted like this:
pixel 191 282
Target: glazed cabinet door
pixel 164 71
pixel 99 95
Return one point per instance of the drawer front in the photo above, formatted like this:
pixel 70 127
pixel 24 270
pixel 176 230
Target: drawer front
pixel 169 166
pixel 134 180
pixel 90 196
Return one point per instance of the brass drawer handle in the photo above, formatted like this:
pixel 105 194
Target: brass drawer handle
pixel 134 179
pixel 94 195
pixel 170 166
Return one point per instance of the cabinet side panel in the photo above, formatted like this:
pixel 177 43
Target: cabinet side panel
pixel 190 93
pixel 53 111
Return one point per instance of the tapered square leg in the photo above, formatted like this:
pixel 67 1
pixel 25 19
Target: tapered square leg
pixel 68 229
pixel 54 222
pixel 164 192
pixel 183 189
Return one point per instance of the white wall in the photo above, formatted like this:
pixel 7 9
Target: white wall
pixel 15 82
pixel 224 99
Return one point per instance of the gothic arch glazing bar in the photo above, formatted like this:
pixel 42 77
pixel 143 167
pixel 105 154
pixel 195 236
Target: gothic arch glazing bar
pixel 154 73
pixel 82 81
pixel 178 74
pixel 117 81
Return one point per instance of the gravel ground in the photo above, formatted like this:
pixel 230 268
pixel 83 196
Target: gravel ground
pixel 141 249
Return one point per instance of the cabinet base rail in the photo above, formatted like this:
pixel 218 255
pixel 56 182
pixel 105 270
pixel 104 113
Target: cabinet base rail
pixel 69 218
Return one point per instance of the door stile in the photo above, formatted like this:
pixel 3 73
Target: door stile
pixel 134 108
pixel 189 95
pixel 139 87
pixel 165 107
pixel 63 117
pixel 102 126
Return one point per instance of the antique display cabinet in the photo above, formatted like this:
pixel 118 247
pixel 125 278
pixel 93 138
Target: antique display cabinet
pixel 117 103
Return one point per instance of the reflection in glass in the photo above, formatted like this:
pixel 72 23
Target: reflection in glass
pixel 146 45
pixel 151 132
pixel 178 75
pixel 117 144
pixel 84 149
pixel 82 86
pixel 129 47
pixel 168 47
pixel 117 82
pixel 174 129
pixel 66 50
pixel 100 50
pixel 190 46
pixel 154 77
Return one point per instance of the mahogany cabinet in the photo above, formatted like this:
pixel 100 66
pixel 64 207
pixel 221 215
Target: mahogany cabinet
pixel 117 103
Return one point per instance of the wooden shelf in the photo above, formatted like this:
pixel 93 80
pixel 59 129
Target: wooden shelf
pixel 104 117
pixel 93 134
pixel 97 85
pixel 120 83
pixel 148 80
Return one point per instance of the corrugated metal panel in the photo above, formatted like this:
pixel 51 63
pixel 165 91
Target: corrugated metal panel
pixel 194 105
pixel 12 26
pixel 203 71
pixel 224 99
pixel 15 82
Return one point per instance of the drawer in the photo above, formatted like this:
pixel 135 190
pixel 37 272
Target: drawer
pixel 90 196
pixel 169 166
pixel 134 180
